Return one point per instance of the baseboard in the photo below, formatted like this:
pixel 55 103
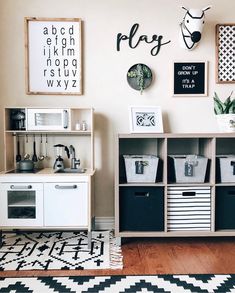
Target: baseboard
pixel 104 223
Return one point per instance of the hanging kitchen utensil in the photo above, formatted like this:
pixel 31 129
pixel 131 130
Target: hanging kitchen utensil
pixel 26 155
pixel 18 156
pixel 34 157
pixel 41 157
pixel 46 144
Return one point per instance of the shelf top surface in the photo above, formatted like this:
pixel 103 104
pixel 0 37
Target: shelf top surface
pixel 70 108
pixel 46 175
pixel 79 132
pixel 177 135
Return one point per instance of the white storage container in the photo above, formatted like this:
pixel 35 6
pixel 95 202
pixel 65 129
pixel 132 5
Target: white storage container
pixel 227 168
pixel 190 168
pixel 141 168
pixel 188 208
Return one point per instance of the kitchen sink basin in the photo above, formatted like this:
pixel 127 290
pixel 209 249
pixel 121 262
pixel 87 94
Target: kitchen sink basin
pixel 69 170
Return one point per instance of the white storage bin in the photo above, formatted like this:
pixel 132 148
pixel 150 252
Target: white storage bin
pixel 196 171
pixel 227 168
pixel 141 168
pixel 188 208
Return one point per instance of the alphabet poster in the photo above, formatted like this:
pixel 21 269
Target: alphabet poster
pixel 190 78
pixel 53 56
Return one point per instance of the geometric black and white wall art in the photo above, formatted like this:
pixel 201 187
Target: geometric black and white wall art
pixel 225 53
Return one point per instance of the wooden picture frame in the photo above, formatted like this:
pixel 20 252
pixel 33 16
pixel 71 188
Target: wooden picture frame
pixel 190 78
pixel 53 56
pixel 145 119
pixel 225 47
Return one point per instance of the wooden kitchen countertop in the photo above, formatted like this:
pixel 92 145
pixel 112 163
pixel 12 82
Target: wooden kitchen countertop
pixel 46 175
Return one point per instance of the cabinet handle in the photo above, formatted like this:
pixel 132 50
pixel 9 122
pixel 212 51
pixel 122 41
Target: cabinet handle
pixel 21 186
pixel 142 194
pixel 188 193
pixel 233 165
pixel 66 118
pixel 66 186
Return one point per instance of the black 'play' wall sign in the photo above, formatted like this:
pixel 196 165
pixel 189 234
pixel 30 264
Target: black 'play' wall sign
pixel 134 41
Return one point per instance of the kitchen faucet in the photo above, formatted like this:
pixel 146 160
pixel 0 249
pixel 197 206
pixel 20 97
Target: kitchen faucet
pixel 74 161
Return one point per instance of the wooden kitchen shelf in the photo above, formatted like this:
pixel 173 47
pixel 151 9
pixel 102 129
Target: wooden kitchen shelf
pixel 74 115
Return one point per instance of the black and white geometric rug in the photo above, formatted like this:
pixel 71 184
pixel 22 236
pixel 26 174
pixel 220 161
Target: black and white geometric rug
pixel 59 251
pixel 121 284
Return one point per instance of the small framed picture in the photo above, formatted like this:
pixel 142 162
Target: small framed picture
pixel 146 119
pixel 190 78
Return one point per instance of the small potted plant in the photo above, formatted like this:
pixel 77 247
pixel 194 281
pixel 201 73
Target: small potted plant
pixel 139 77
pixel 225 113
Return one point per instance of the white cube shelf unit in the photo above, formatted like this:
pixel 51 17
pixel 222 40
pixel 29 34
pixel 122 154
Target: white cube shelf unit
pixel 165 208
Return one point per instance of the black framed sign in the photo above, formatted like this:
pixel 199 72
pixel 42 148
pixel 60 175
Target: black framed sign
pixel 190 78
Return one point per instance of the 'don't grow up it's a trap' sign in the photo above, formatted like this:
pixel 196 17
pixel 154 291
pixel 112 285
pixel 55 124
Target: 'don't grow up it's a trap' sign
pixel 53 56
pixel 190 78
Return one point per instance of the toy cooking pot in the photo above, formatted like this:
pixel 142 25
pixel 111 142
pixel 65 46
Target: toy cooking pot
pixel 26 165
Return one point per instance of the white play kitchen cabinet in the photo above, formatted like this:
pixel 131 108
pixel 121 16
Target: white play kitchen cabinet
pixel 42 198
pixel 192 192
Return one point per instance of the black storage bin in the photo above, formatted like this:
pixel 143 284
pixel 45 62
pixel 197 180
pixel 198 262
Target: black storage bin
pixel 141 208
pixel 225 207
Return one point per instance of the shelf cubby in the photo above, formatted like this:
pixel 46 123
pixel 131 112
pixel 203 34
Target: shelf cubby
pixel 225 146
pixel 183 146
pixel 141 146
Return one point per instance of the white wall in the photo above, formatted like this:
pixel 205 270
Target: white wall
pixel 105 69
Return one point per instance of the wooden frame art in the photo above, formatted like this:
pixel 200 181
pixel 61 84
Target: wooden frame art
pixel 225 56
pixel 53 56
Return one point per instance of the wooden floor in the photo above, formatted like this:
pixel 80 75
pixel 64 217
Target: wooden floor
pixel 163 256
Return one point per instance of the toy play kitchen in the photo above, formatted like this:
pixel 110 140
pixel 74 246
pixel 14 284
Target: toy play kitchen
pixel 32 197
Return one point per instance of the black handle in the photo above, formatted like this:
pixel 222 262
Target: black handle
pixel 231 192
pixel 18 156
pixel 67 151
pixel 142 193
pixel 34 148
pixel 188 193
pixel 21 186
pixel 233 164
pixel 34 157
pixel 66 186
pixel 66 118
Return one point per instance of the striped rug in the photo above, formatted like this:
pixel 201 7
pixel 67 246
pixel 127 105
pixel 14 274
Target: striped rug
pixel 121 284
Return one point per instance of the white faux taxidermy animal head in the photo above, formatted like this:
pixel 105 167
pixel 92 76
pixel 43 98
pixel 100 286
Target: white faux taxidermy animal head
pixel 191 27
